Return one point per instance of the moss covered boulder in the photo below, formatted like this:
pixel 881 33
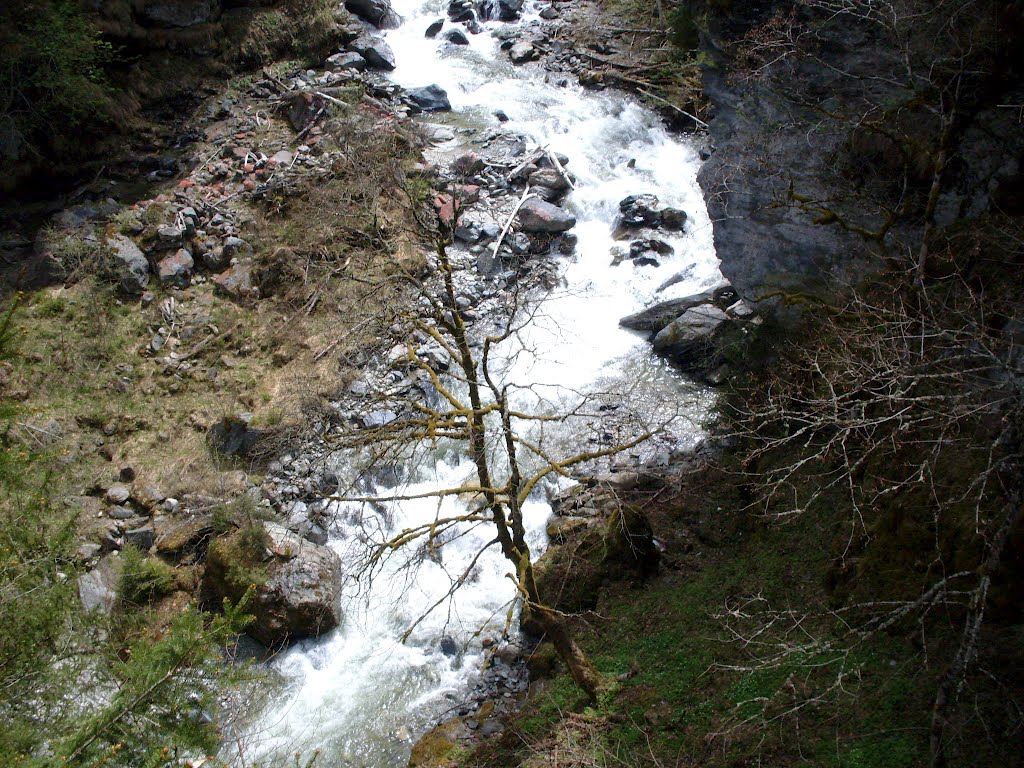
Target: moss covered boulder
pixel 614 545
pixel 296 584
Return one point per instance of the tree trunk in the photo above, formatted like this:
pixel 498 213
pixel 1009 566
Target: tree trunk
pixel 582 671
pixel 554 626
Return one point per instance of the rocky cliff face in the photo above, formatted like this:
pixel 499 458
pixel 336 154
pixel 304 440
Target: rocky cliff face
pixel 833 128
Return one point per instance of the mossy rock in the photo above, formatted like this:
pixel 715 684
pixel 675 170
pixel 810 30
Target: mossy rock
pixel 618 548
pixel 295 584
pixel 440 746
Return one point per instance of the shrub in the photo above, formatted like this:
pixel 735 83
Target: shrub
pixel 143 578
pixel 52 85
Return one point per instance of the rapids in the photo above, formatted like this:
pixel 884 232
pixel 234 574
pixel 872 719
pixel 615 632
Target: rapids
pixel 358 694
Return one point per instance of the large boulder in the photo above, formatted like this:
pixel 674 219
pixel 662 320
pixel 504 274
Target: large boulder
pixel 430 98
pixel 501 10
pixel 375 51
pixel 377 12
pixel 658 316
pixel 296 585
pixel 689 339
pixel 127 265
pixel 540 216
pixel 603 541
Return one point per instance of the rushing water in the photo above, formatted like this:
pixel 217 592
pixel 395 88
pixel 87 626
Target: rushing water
pixel 359 694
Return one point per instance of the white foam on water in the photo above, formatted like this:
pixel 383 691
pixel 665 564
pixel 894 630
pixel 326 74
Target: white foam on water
pixel 358 694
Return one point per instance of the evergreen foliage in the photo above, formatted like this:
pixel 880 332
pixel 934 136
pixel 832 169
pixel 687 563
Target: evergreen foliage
pixel 53 91
pixel 75 690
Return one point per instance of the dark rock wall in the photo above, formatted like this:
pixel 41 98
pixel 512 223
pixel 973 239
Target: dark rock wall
pixel 824 139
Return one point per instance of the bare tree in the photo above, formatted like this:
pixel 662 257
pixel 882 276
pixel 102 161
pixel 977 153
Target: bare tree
pixel 903 400
pixel 507 443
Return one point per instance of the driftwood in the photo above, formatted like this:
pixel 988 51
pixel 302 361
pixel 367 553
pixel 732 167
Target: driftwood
pixel 558 167
pixel 668 103
pixel 504 230
pixel 530 160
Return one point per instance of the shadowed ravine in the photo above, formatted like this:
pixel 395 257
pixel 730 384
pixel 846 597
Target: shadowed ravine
pixel 358 694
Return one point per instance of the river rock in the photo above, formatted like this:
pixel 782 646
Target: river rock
pixel 640 211
pixel 502 10
pixel 430 98
pixel 522 52
pixel 127 265
pixel 375 51
pixel 660 315
pixel 689 337
pixel 645 253
pixel 456 37
pixel 549 177
pixel 300 591
pixel 540 216
pixel 346 60
pixel 673 218
pixel 177 269
pixel 461 10
pixel 377 12
pixel 378 419
pixel 434 29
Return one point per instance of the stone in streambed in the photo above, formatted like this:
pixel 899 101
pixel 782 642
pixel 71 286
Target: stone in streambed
pixel 434 28
pixel 375 51
pixel 430 98
pixel 456 37
pixel 673 218
pixel 377 12
pixel 346 60
pixel 640 211
pixel 520 53
pixel 689 337
pixel 540 216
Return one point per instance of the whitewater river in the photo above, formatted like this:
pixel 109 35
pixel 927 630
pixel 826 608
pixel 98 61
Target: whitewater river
pixel 358 694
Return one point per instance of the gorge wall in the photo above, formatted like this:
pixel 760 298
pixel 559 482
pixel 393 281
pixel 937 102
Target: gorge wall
pixel 845 134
